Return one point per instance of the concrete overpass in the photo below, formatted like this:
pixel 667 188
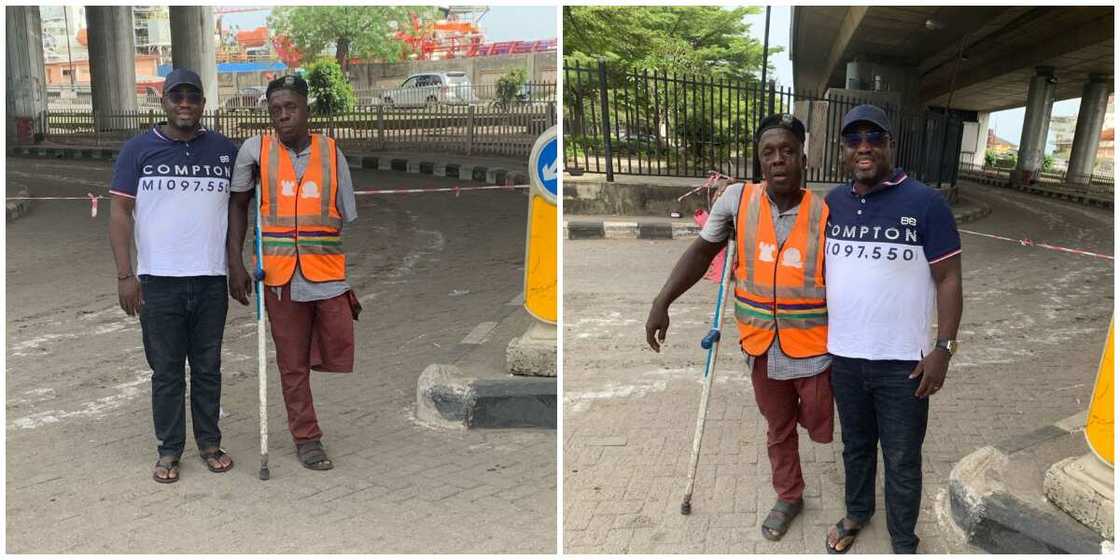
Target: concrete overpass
pixel 111 52
pixel 973 59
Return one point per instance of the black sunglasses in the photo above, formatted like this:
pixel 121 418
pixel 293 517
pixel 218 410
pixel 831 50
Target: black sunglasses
pixel 177 97
pixel 873 137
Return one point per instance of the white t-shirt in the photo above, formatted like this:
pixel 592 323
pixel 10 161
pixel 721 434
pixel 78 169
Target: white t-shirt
pixel 181 189
pixel 878 252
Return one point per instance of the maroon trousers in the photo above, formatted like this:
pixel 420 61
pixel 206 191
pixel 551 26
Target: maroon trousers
pixel 785 404
pixel 308 335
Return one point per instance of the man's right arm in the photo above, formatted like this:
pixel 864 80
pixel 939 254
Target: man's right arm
pixel 690 268
pixel 120 238
pixel 692 265
pixel 240 284
pixel 241 192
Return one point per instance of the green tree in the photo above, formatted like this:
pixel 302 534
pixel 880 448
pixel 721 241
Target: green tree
pixel 354 31
pixel 707 40
pixel 508 85
pixel 710 46
pixel 330 88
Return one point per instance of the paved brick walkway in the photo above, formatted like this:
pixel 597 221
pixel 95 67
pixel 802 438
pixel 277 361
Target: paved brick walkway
pixel 80 447
pixel 1033 328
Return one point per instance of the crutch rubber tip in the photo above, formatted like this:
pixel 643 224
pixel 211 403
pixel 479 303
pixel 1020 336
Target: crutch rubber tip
pixel 686 508
pixel 264 473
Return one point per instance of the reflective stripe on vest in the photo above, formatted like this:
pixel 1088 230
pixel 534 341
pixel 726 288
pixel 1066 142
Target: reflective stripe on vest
pixel 779 290
pixel 300 219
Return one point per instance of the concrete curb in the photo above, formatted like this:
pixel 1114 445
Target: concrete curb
pixel 664 228
pixel 18 208
pixel 447 397
pixel 423 166
pixel 1083 198
pixel 996 497
pixel 477 391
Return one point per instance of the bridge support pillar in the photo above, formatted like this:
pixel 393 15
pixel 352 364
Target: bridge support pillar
pixel 193 47
pixel 26 82
pixel 1036 122
pixel 112 67
pixel 1087 135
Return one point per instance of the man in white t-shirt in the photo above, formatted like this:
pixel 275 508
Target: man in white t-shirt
pixel 171 192
pixel 892 258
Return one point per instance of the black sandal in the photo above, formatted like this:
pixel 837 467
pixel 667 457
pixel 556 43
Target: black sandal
pixel 216 454
pixel 779 519
pixel 170 463
pixel 312 456
pixel 842 533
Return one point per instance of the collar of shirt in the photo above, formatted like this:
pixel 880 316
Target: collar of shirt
pixel 304 152
pixel 155 128
pixel 791 212
pixel 897 177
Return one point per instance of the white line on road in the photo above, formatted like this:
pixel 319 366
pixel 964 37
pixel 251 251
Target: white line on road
pixel 96 408
pixel 480 333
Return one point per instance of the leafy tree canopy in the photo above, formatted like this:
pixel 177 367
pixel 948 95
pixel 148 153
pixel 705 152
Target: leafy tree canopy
pixel 354 31
pixel 708 40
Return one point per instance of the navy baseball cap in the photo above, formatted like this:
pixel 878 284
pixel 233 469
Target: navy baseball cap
pixel 866 113
pixel 291 81
pixel 781 120
pixel 182 77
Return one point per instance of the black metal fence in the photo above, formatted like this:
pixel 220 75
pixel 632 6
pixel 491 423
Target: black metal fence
pixel 1098 182
pixel 470 130
pixel 654 123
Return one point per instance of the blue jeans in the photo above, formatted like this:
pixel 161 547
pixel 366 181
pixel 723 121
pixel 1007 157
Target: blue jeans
pixel 183 319
pixel 876 404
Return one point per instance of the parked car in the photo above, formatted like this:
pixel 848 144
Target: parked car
pixel 431 89
pixel 247 99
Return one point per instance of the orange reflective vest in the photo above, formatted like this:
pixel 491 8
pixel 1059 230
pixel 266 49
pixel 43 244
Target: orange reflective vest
pixel 779 290
pixel 300 220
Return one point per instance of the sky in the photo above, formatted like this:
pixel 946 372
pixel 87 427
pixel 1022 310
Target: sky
pixel 1006 124
pixel 500 23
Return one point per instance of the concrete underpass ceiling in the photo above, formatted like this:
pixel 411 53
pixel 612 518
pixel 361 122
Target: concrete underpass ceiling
pixel 1002 47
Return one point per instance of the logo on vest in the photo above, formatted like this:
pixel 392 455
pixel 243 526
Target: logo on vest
pixel 766 251
pixel 309 190
pixel 792 258
pixel 288 188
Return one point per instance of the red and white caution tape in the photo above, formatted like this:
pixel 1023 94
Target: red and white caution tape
pixel 92 198
pixel 455 190
pixel 1025 242
pixel 713 177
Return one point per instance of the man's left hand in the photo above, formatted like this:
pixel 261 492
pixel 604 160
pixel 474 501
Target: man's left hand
pixel 932 370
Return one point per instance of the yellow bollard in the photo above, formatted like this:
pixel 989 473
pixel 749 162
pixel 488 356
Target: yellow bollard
pixel 540 237
pixel 1098 426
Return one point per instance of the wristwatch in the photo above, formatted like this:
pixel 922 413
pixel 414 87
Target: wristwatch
pixel 947 344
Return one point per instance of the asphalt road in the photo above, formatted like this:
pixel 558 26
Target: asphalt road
pixel 428 269
pixel 1033 329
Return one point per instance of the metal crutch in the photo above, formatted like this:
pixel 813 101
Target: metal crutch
pixel 262 357
pixel 711 344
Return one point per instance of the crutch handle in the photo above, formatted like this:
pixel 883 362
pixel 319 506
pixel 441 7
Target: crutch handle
pixel 712 338
pixel 258 275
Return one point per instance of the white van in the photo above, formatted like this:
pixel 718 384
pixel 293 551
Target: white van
pixel 431 89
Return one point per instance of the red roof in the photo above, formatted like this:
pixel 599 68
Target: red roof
pixel 253 37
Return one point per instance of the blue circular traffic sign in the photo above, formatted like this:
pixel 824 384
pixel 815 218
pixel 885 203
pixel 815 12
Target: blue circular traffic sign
pixel 543 164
